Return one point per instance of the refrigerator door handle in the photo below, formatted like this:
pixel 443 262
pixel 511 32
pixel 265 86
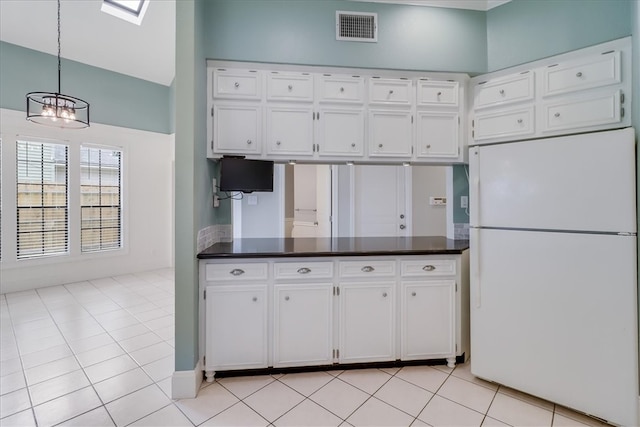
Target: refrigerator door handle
pixel 474 196
pixel 475 265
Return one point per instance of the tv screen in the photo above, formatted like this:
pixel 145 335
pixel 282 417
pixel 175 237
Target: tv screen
pixel 245 175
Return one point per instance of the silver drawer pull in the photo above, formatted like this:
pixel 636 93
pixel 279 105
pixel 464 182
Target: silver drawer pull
pixel 254 299
pixel 519 120
pixel 286 298
pixel 379 145
pixel 353 145
pixel 579 74
pixel 248 142
pixel 439 93
pixel 556 115
pixel 384 295
pixel 237 272
pixel 390 92
pixel 413 294
pixel 304 270
pixel 428 267
pixel 501 91
pixel 341 89
pixel 237 84
pixel 290 87
pixel 367 269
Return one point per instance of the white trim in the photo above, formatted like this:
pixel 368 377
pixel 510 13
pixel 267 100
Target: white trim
pixel 450 203
pixel 185 384
pixel 334 200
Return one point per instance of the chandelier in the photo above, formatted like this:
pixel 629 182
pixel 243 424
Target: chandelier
pixel 56 109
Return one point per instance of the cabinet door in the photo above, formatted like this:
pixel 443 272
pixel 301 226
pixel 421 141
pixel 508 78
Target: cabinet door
pixel 367 322
pixel 290 131
pixel 437 134
pixel 341 132
pixel 237 129
pixel 427 329
pixel 303 325
pixel 503 124
pixel 236 327
pixel 582 112
pixel 390 133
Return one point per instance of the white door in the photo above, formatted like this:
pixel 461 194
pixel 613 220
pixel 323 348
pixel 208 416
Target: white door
pixel 236 327
pixel 367 322
pixel 303 324
pixel 380 200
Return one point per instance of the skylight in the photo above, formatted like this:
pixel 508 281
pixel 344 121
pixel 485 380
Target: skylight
pixel 130 10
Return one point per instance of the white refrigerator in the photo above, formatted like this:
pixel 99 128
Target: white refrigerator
pixel 553 270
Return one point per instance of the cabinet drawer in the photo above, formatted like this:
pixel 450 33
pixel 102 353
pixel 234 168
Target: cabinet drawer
pixel 307 270
pixel 367 268
pixel 506 90
pixel 432 93
pixel 596 71
pixel 236 272
pixel 236 84
pixel 290 87
pixel 504 124
pixel 428 267
pixel 341 89
pixel 390 91
pixel 583 112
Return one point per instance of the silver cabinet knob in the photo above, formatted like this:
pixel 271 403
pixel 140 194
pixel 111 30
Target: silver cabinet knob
pixel 439 93
pixel 237 272
pixel 290 87
pixel 304 270
pixel 428 145
pixel 429 267
pixel 391 92
pixel 401 216
pixel 286 298
pixel 353 145
pixel 236 84
pixel 579 74
pixel 384 295
pixel 519 120
pixel 556 115
pixel 413 294
pixel 248 142
pixel 501 91
pixel 254 299
pixel 379 145
pixel 402 227
pixel 367 269
pixel 278 143
pixel 341 89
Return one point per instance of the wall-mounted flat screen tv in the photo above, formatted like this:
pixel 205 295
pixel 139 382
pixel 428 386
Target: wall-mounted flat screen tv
pixel 237 174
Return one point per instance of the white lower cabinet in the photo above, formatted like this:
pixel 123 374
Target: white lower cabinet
pixel 303 324
pixel 427 328
pixel 236 327
pixel 367 322
pixel 288 312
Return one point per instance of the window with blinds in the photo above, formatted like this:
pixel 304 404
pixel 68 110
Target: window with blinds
pixel 42 199
pixel 100 199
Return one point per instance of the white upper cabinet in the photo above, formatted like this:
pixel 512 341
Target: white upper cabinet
pixel 237 84
pixel 437 94
pixel 390 133
pixel 390 91
pixel 311 114
pixel 591 72
pixel 288 87
pixel 580 91
pixel 341 89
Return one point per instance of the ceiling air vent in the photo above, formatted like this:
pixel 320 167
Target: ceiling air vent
pixel 356 26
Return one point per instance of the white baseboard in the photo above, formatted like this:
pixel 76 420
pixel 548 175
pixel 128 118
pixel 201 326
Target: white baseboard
pixel 185 384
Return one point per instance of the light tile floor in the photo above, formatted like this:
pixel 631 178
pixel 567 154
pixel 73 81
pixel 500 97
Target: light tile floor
pixel 100 353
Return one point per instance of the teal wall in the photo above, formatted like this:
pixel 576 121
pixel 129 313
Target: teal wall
pixel 525 30
pixel 303 32
pixel 460 188
pixel 115 99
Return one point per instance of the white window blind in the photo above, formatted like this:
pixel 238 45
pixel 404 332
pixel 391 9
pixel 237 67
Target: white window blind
pixel 42 199
pixel 100 199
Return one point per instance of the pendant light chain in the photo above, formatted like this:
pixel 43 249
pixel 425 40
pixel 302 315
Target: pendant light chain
pixel 59 67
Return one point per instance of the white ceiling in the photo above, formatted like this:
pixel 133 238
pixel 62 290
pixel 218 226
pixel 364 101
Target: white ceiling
pixel 102 40
pixel 94 37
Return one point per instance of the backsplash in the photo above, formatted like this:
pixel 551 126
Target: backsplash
pixel 461 231
pixel 214 234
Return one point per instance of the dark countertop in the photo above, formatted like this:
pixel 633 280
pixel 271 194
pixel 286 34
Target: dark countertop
pixel 339 246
